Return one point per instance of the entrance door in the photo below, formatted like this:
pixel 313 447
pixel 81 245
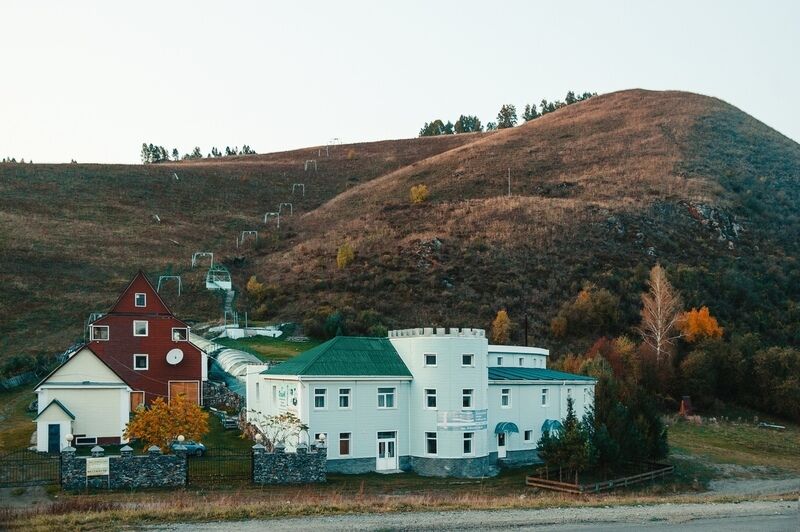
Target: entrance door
pixel 54 438
pixel 190 389
pixel 387 452
pixel 501 445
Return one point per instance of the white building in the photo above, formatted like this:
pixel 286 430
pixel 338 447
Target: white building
pixel 435 401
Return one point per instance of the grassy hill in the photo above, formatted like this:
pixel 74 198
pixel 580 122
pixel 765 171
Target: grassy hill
pixel 600 191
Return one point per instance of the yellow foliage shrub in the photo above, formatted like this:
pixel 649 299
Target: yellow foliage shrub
pixel 345 255
pixel 419 194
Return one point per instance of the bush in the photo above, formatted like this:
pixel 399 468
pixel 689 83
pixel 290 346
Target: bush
pixel 345 255
pixel 419 194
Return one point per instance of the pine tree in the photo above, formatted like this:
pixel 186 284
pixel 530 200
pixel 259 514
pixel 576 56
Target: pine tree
pixel 507 116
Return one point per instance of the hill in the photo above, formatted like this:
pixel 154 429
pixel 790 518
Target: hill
pixel 601 190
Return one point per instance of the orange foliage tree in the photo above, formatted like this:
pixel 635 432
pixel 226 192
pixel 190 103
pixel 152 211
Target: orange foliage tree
pixel 699 324
pixel 501 328
pixel 419 193
pixel 163 422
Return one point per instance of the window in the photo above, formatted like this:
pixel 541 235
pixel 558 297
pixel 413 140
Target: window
pixel 505 397
pixel 319 397
pixel 468 436
pixel 258 391
pixel 320 436
pixel 385 397
pixel 499 361
pixel 466 398
pixel 430 398
pixel 430 440
pixel 140 362
pixel 100 332
pixel 528 435
pixel 430 360
pixel 569 393
pixel 140 300
pixel 139 328
pixel 274 394
pixel 544 396
pixel 344 397
pixel 468 360
pixel 180 334
pixel 83 440
pixel 344 443
pixel 521 361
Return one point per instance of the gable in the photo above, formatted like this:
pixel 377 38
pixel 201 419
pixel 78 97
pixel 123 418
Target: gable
pixel 55 410
pixel 83 367
pixel 140 284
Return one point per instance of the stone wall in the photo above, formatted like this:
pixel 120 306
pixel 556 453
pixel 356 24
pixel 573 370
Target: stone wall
pixel 153 470
pixel 220 396
pixel 454 467
pixel 301 467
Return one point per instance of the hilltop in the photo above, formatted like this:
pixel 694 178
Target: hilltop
pixel 600 191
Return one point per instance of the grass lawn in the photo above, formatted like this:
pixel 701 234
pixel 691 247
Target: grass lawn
pixel 16 421
pixel 219 438
pixel 266 348
pixel 742 444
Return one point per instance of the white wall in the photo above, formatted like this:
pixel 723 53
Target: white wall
pixel 449 378
pixel 510 355
pixel 363 420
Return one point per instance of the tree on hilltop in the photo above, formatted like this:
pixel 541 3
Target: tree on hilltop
pixel 468 124
pixel 507 116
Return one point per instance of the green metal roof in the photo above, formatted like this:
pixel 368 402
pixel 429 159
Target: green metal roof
pixel 346 356
pixel 534 374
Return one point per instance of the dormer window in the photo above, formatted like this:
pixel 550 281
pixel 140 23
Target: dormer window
pixel 140 300
pixel 180 334
pixel 100 333
pixel 139 327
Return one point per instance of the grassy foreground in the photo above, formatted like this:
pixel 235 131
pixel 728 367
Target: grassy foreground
pixel 17 422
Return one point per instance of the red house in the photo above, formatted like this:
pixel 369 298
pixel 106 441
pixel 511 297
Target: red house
pixel 148 347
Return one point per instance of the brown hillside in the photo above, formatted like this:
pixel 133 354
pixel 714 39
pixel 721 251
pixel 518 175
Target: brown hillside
pixel 600 191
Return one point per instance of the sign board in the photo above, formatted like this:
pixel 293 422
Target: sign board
pixel 97 467
pixel 287 398
pixel 464 420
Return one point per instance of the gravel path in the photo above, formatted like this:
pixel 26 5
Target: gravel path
pixel 522 519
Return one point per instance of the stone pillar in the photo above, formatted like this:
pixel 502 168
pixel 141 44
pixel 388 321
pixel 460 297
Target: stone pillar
pixel 73 470
pixel 154 450
pixel 97 451
pixel 126 452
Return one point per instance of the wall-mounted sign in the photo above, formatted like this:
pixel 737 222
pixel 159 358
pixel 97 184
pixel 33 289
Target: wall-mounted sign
pixel 97 467
pixel 464 420
pixel 287 398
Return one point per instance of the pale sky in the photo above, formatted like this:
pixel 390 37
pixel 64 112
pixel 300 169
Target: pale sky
pixel 93 80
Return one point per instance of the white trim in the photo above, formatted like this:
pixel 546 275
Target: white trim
pixel 172 335
pixel 435 439
pixel 425 360
pixel 136 297
pixel 471 357
pixel 394 398
pixel 545 394
pixel 146 327
pixel 349 396
pixel 199 389
pixel 509 398
pixel 427 406
pixel 471 443
pixel 349 444
pixel 324 399
pixel 108 333
pixel 146 361
pixel 471 396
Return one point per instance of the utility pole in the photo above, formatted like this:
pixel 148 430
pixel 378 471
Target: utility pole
pixel 526 328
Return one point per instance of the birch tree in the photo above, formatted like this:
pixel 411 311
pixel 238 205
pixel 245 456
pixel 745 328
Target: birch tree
pixel 661 310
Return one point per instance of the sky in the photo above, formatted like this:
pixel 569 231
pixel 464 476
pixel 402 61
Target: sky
pixel 91 81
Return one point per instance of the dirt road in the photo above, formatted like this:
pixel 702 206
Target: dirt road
pixel 761 515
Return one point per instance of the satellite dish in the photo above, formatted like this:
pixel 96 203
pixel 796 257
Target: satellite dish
pixel 174 356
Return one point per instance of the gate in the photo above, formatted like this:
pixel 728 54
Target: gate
pixel 220 466
pixel 29 468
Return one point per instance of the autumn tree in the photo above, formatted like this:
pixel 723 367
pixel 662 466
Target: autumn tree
pixel 661 310
pixel 699 324
pixel 163 422
pixel 501 328
pixel 284 429
pixel 345 255
pixel 255 289
pixel 419 194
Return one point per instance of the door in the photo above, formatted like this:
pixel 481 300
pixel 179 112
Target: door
pixel 190 389
pixel 137 398
pixel 501 445
pixel 54 438
pixel 387 452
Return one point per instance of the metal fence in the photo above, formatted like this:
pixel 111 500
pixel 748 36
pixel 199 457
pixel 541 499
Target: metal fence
pixel 29 468
pixel 220 466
